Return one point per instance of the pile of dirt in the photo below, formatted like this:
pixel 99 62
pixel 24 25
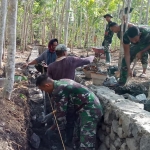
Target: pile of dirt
pixel 15 120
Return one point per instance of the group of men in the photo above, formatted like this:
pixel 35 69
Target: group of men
pixel 74 104
pixel 136 44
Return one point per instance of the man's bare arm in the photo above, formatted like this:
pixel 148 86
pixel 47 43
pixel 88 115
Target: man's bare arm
pixel 127 54
pixel 130 25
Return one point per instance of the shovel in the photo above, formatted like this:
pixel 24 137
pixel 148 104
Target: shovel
pixel 134 63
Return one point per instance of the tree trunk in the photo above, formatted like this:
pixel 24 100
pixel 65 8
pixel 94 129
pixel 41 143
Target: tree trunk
pixel 10 68
pixel 128 14
pixel 2 27
pixel 121 53
pixel 141 9
pixel 66 22
pixel 148 3
pixel 61 23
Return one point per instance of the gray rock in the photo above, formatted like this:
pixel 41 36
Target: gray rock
pixel 112 134
pixel 145 142
pixel 120 133
pixel 130 97
pixel 109 116
pixel 115 126
pixel 112 147
pixel 101 135
pixel 35 140
pixel 102 147
pixel 124 147
pixel 107 129
pixel 107 141
pixel 103 127
pixel 37 98
pixel 141 97
pixel 136 132
pixel 132 144
pixel 126 125
pixel 117 143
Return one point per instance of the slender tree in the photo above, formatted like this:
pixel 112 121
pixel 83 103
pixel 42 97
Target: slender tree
pixel 66 22
pixel 10 68
pixel 2 27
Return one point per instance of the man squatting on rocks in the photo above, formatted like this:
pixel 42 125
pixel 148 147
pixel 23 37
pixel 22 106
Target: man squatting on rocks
pixel 108 39
pixel 66 92
pixel 144 58
pixel 48 56
pixel 138 39
pixel 64 68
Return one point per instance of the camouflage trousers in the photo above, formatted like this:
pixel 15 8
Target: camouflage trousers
pixel 133 51
pixel 107 51
pixel 85 131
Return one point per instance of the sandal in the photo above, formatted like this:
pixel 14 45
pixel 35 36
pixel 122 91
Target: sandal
pixel 143 75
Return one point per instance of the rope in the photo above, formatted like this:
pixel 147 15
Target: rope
pixel 57 123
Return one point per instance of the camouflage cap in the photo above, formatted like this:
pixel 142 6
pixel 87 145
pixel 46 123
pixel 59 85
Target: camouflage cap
pixel 61 47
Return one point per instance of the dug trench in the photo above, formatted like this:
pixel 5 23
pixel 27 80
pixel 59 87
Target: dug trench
pixel 21 126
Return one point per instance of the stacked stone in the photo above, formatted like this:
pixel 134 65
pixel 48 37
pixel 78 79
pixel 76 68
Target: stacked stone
pixel 125 126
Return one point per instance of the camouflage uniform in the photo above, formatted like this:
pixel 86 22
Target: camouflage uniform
pixel 68 93
pixel 134 49
pixel 144 59
pixel 107 42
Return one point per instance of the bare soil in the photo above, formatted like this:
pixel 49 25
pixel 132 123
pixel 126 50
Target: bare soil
pixel 15 125
pixel 15 113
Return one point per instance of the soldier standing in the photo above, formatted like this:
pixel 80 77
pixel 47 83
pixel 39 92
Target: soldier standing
pixel 66 92
pixel 107 39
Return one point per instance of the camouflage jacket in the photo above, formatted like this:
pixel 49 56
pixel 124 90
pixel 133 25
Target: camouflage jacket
pixel 68 93
pixel 144 38
pixel 108 33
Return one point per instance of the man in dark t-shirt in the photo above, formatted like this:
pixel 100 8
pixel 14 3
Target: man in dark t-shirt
pixel 139 37
pixel 144 59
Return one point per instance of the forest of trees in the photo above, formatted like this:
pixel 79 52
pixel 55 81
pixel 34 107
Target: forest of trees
pixel 76 23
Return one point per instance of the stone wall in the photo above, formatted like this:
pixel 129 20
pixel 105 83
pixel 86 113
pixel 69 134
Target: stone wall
pixel 126 125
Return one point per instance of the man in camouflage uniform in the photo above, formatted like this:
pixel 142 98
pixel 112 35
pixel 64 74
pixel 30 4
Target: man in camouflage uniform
pixel 107 39
pixel 139 38
pixel 66 93
pixel 144 59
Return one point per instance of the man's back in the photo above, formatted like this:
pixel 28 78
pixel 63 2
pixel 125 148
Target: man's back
pixel 65 68
pixel 66 90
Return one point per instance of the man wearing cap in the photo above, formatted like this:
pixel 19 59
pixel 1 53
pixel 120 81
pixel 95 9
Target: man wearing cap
pixel 139 37
pixel 144 59
pixel 85 102
pixel 107 39
pixel 64 67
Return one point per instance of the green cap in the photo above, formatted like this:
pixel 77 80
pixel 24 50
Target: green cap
pixel 61 47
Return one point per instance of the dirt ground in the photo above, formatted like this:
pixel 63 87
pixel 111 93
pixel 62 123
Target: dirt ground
pixel 15 114
pixel 115 56
pixel 15 126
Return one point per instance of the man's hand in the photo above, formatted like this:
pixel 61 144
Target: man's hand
pixel 130 73
pixel 139 55
pixel 25 65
